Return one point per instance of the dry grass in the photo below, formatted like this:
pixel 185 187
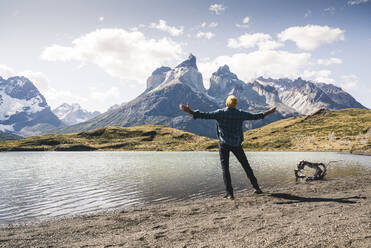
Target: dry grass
pixel 325 130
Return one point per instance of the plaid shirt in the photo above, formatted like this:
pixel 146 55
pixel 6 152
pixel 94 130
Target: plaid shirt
pixel 229 123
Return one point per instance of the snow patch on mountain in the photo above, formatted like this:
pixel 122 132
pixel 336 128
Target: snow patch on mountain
pixel 10 106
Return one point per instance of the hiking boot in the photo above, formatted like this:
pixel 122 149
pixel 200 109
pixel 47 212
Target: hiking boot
pixel 229 196
pixel 258 192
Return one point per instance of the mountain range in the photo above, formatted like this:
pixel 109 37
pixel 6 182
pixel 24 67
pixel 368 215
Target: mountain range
pixel 24 110
pixel 168 87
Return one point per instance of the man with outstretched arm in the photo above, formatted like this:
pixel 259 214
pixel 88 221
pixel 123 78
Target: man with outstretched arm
pixel 229 130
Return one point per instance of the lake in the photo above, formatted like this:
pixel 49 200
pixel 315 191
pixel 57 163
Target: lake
pixel 41 185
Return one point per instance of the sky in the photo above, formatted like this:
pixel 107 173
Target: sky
pixel 100 53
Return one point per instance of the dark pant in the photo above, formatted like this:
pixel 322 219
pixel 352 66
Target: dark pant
pixel 224 150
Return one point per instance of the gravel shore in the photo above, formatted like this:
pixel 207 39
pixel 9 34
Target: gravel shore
pixel 328 213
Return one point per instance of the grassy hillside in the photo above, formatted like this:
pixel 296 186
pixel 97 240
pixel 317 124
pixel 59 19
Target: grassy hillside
pixel 347 129
pixel 148 137
pixel 342 130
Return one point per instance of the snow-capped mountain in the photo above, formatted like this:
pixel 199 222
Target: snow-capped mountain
pixel 73 114
pixel 22 106
pixel 167 88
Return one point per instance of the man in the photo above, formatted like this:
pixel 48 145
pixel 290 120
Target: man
pixel 229 130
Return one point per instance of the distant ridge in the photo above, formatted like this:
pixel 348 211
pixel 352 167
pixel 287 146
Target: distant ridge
pixel 71 114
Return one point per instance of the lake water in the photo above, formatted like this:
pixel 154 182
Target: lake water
pixel 40 185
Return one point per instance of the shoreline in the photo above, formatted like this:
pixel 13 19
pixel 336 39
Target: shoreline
pixel 329 213
pixel 363 153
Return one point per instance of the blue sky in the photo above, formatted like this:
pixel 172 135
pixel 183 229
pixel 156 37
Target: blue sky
pixel 100 53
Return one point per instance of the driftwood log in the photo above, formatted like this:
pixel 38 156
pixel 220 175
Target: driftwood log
pixel 320 171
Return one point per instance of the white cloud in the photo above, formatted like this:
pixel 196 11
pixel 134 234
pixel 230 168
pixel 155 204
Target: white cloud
pixel 241 25
pixel 329 61
pixel 162 25
pixel 269 45
pixel 246 20
pixel 263 41
pixel 310 37
pixel 349 82
pixel 268 63
pixel 217 8
pixel 120 53
pixel 40 80
pixel 101 18
pixel 213 25
pixel 330 10
pixel 356 2
pixel 206 35
pixel 321 76
pixel 308 13
pixel 248 40
pixel 6 71
pixel 103 96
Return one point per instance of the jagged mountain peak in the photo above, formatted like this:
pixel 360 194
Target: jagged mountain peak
pixel 190 62
pixel 223 82
pixel 224 72
pixel 185 73
pixel 71 114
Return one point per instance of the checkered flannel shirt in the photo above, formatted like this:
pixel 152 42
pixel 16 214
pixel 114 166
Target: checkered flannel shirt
pixel 229 123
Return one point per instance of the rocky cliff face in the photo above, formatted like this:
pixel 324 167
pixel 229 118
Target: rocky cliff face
pixel 23 106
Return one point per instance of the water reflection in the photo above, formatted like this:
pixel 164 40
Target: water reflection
pixel 36 185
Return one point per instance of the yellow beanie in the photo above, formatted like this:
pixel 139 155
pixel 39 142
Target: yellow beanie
pixel 231 101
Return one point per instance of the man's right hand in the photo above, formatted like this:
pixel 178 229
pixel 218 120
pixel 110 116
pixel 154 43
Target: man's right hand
pixel 271 111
